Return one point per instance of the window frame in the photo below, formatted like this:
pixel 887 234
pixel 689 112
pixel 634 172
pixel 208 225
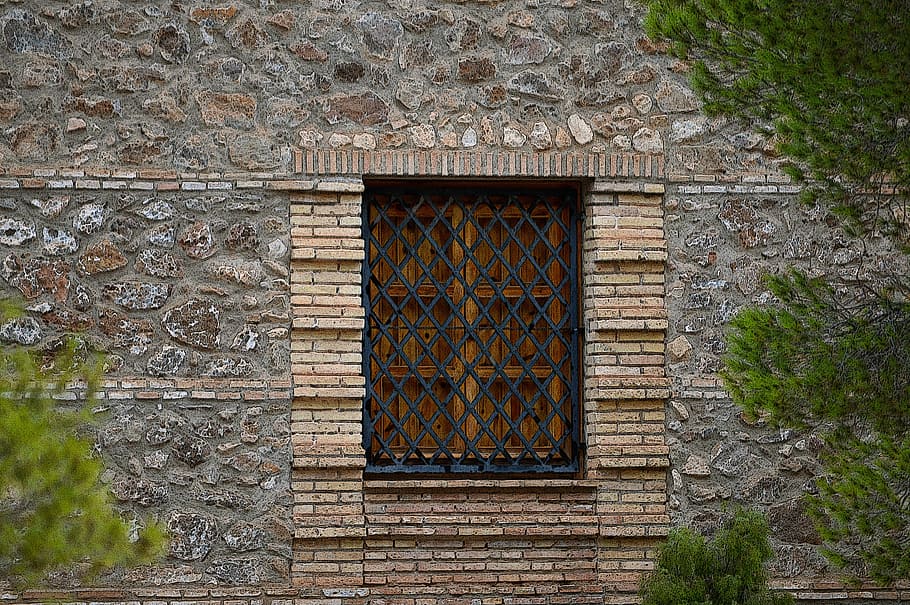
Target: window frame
pixel 572 202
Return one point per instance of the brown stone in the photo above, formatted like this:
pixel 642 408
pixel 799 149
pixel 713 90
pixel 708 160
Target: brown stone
pixel 366 109
pixel 100 257
pixel 140 152
pixel 194 323
pixel 67 319
pixel 34 140
pixel 284 19
pixel 196 240
pixel 476 69
pixel 212 17
pixel 226 109
pixel 528 49
pixel 36 276
pixel 123 329
pixel 308 51
pixel 349 71
pixel 248 35
pixel 165 107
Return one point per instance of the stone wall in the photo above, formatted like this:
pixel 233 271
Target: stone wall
pixel 179 184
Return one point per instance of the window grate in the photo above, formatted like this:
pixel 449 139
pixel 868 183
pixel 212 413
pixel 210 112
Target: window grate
pixel 471 339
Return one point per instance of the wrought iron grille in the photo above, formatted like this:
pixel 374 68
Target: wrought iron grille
pixel 471 339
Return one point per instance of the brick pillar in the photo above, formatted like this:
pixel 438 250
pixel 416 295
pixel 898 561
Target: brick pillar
pixel 326 362
pixel 625 385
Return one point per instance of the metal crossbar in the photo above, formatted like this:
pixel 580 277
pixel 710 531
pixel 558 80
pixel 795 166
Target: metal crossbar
pixel 471 337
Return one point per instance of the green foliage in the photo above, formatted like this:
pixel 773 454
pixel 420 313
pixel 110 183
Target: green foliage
pixel 829 79
pixel 53 511
pixel 728 570
pixel 842 367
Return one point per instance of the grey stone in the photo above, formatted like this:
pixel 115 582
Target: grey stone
pixel 158 263
pixel 89 218
pixel 137 295
pixel 22 32
pixel 647 140
pixel 192 451
pixel 158 435
pixel 192 535
pixel 140 491
pixel 235 571
pixel 243 536
pixel 173 43
pixel 673 98
pixel 246 339
pixel 761 488
pixel 21 330
pixel 156 209
pixel 380 34
pixel 166 362
pixel 580 129
pixel 224 367
pixel 534 84
pixel 163 236
pixel 734 459
pixel 696 466
pixel 51 207
pixel 14 232
pixel 195 323
pixel 409 93
pixel 222 499
pixel 58 242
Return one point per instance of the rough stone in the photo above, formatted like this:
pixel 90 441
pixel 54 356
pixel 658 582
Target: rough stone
pixel 380 34
pixel 140 491
pixel 166 362
pixel 22 32
pixel 679 348
pixel 14 232
pixel 423 136
pixel 528 49
pixel 476 69
pixel 156 209
pixel 101 257
pixel 741 218
pixel 226 367
pixel 236 110
pixel 673 98
pixel 647 140
pixel 242 236
pixel 512 137
pixel 194 323
pixel 696 466
pixel 246 34
pixel 580 129
pixel 21 330
pixel 243 536
pixel 58 242
pixel 540 136
pixel 34 140
pixel 173 43
pixel 366 109
pixel 51 207
pixel 192 451
pixel 235 571
pixel 192 535
pixel 534 84
pixel 246 339
pixel 137 296
pixel 196 240
pixel 89 218
pixel 253 151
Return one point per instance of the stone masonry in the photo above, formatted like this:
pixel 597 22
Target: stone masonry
pixel 180 187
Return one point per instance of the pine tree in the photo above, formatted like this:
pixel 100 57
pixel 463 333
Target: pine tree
pixel 53 511
pixel 828 82
pixel 727 570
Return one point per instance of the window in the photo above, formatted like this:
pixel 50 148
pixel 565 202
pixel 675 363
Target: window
pixel 471 340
